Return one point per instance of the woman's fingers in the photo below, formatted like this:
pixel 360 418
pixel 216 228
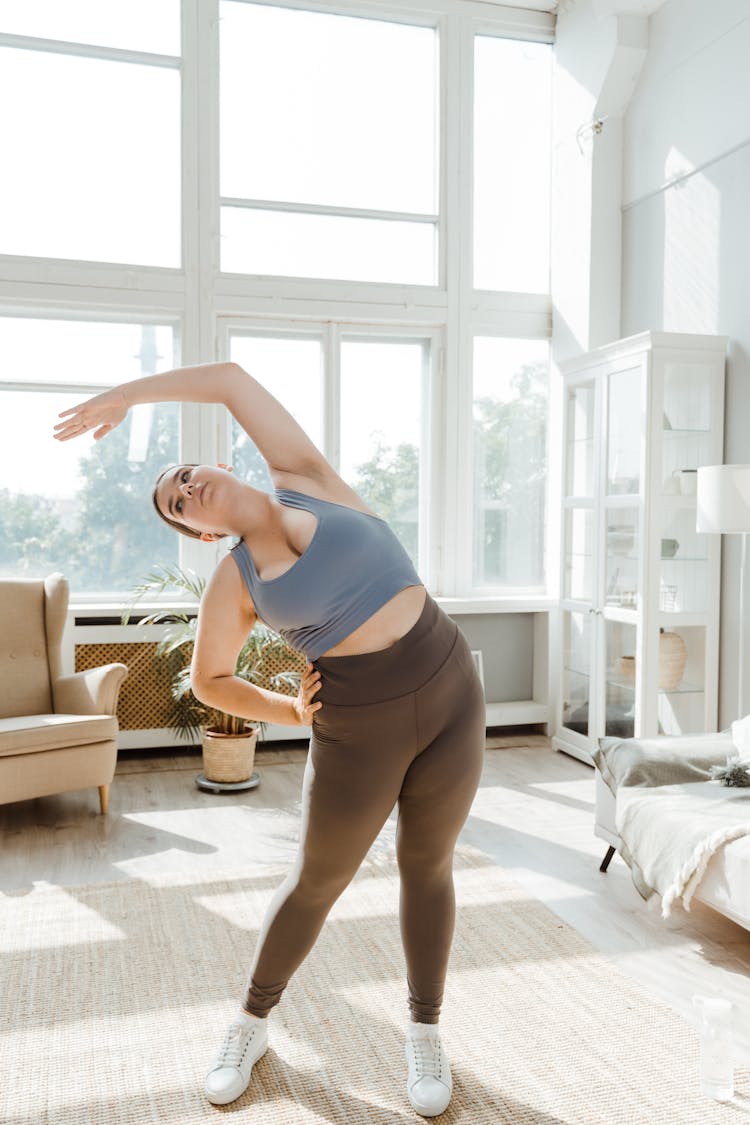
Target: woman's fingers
pixel 101 413
pixel 309 684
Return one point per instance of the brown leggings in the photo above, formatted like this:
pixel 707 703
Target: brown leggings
pixel 403 724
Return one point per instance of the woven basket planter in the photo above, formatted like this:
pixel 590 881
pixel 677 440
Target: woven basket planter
pixel 229 757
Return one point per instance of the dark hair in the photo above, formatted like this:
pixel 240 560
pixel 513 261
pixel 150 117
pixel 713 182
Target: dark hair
pixel 181 527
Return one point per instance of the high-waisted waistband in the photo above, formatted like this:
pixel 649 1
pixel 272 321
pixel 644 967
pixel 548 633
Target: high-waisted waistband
pixel 403 667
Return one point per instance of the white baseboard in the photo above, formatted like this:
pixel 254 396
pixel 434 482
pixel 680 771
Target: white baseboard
pixel 162 737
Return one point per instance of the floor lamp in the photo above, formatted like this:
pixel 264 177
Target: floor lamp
pixel 723 504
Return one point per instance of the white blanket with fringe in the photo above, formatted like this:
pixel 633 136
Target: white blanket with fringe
pixel 670 833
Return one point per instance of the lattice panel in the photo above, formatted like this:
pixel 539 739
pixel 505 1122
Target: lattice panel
pixel 287 661
pixel 145 698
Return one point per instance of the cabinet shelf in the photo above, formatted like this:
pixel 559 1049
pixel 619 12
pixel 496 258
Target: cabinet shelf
pixel 681 689
pixel 685 433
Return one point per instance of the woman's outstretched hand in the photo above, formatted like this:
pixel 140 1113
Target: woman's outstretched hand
pixel 304 708
pixel 100 414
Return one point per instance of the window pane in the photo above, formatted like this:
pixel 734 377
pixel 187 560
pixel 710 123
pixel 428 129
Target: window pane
pixel 93 170
pixel 381 442
pixel 510 427
pixel 274 242
pixel 140 25
pixel 512 142
pixel 291 369
pixel 79 351
pixel 82 507
pixel 319 108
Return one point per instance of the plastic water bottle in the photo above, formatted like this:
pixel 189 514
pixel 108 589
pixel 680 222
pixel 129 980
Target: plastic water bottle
pixel 717 1047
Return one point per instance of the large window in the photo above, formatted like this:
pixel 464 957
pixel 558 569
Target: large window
pixel 381 447
pixel 81 507
pixel 290 367
pixel 90 137
pixel 512 150
pixel 378 450
pixel 350 200
pixel 328 145
pixel 509 463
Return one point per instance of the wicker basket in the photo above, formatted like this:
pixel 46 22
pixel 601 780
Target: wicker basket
pixel 229 757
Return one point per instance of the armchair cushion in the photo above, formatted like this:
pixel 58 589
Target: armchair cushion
pixel 24 666
pixel 26 734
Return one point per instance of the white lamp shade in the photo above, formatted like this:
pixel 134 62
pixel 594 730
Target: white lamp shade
pixel 723 500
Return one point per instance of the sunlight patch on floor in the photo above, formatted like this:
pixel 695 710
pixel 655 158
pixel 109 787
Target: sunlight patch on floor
pixel 28 921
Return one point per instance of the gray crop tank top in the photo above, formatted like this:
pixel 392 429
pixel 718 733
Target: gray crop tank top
pixel 353 565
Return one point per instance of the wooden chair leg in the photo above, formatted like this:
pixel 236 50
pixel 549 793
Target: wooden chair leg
pixel 104 798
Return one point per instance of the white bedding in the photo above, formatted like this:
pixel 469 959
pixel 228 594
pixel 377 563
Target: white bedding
pixel 671 833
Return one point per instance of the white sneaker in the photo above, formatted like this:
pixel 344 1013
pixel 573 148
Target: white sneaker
pixel 244 1043
pixel 429 1083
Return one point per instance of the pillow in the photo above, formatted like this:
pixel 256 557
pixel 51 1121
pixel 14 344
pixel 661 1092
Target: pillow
pixel 664 760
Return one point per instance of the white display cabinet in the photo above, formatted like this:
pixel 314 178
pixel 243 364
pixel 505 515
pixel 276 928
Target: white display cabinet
pixel 639 586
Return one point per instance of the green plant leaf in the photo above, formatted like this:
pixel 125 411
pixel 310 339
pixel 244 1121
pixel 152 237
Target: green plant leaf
pixel 188 715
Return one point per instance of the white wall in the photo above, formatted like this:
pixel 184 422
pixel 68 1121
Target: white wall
pixel 686 222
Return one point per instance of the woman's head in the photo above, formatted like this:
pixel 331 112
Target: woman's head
pixel 189 499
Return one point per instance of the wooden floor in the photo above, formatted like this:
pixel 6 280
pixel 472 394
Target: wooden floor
pixel 533 814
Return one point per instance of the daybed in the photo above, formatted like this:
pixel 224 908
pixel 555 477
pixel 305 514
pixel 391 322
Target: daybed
pixel 682 834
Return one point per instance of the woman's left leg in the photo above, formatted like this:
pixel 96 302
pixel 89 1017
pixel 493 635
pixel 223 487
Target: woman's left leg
pixel 435 800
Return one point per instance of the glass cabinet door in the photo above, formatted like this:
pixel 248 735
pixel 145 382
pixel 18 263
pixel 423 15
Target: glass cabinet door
pixel 620 678
pixel 624 432
pixel 578 574
pixel 622 558
pixel 576 672
pixel 579 454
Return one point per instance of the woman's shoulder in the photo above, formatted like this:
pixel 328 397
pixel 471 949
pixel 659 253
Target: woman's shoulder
pixel 227 585
pixel 327 485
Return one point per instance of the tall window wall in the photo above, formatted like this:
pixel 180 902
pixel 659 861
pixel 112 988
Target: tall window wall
pixel 351 203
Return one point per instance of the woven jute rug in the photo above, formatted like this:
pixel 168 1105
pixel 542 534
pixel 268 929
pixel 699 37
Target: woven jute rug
pixel 114 998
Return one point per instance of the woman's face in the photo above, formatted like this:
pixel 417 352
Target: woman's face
pixel 198 496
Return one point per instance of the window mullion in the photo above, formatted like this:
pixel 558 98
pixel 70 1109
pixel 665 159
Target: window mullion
pixel 324 209
pixel 88 50
pixel 200 436
pixel 456 152
pixel 332 394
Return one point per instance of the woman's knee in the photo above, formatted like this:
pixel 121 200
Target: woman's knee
pixel 425 864
pixel 316 884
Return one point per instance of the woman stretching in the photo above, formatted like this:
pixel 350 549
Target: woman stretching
pixel 390 689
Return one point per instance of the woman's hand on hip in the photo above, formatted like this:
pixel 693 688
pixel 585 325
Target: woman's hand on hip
pixel 101 414
pixel 303 705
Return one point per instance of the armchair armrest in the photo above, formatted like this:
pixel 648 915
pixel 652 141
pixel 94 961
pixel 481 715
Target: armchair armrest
pixel 92 692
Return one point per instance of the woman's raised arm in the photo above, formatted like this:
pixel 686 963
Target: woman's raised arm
pixel 281 440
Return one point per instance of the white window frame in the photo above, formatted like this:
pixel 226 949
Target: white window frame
pixel 203 301
pixel 331 335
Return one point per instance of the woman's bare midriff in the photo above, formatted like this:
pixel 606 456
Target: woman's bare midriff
pixel 388 625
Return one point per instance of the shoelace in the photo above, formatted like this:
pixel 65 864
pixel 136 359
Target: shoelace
pixel 233 1048
pixel 428 1057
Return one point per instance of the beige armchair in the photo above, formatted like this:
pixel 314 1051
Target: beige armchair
pixel 57 733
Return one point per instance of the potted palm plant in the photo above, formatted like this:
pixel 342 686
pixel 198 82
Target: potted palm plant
pixel 228 741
